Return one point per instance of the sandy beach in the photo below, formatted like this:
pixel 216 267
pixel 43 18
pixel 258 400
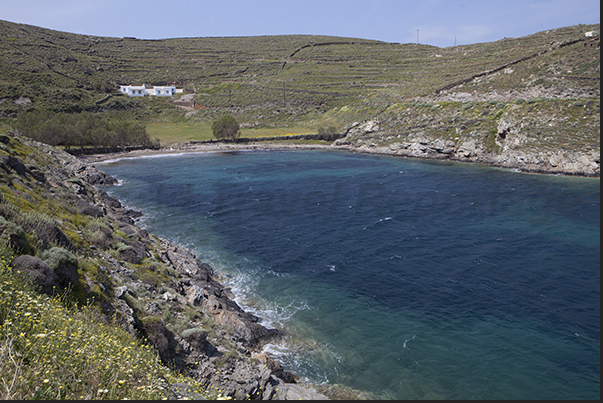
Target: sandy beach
pixel 199 148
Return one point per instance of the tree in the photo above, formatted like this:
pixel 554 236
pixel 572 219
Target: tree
pixel 225 127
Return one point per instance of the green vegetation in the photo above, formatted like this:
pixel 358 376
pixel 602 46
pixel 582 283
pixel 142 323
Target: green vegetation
pixel 57 340
pixel 293 83
pixel 50 350
pixel 82 130
pixel 225 127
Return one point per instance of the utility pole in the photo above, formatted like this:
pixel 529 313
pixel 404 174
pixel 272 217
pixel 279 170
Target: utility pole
pixel 417 36
pixel 284 81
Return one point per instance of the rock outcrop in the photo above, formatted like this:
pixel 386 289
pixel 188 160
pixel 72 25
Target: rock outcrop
pixel 557 135
pixel 149 286
pixel 240 374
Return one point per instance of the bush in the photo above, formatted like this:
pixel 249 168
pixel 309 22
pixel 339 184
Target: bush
pixel 82 129
pixel 328 133
pixel 13 236
pixel 225 127
pixel 45 230
pixel 64 264
pixel 99 234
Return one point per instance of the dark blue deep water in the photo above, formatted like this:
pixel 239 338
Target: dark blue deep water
pixel 399 278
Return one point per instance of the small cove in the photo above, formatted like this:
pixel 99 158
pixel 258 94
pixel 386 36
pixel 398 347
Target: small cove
pixel 406 279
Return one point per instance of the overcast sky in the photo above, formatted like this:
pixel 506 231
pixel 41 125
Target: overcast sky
pixel 434 22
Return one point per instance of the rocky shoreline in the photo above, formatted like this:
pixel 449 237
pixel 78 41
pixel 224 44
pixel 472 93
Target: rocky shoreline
pixel 230 359
pixel 586 164
pixel 251 373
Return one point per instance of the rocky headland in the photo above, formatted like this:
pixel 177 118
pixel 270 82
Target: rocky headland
pixel 538 130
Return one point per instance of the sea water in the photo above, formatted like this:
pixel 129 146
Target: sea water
pixel 394 278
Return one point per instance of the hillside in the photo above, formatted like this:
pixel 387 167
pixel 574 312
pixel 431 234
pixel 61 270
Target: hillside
pixel 109 310
pixel 94 306
pixel 49 66
pixel 432 98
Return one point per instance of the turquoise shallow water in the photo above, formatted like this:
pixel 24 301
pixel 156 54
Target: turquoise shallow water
pixel 404 279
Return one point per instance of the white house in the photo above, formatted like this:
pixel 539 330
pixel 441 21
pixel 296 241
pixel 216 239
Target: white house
pixel 133 90
pixel 164 91
pixel 141 91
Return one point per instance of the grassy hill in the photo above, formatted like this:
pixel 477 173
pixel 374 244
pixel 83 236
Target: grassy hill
pixel 298 76
pixel 538 93
pixel 299 84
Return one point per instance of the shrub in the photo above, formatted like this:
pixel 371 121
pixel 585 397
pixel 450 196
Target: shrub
pixel 13 236
pixel 81 129
pixel 189 332
pixel 99 234
pixel 64 264
pixel 44 228
pixel 225 127
pixel 328 133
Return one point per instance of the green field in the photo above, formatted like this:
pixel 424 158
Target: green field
pixel 172 133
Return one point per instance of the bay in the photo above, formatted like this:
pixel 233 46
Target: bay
pixel 400 278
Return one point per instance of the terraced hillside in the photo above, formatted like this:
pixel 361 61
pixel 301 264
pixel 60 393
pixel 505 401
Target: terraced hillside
pixel 306 82
pixel 57 67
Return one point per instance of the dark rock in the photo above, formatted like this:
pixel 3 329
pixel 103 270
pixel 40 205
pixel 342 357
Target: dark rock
pixel 276 368
pixel 38 271
pixel 160 337
pixel 197 339
pixel 110 201
pixel 92 211
pixel 14 164
pixel 129 254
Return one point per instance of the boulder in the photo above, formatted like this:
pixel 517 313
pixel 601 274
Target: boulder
pixel 296 392
pixel 129 254
pixel 38 271
pixel 160 337
pixel 14 164
pixel 88 209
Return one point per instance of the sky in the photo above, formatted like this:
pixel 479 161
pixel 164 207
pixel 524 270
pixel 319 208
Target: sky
pixel 440 23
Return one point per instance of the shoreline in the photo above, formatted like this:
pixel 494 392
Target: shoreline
pixel 179 149
pixel 332 391
pixel 196 148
